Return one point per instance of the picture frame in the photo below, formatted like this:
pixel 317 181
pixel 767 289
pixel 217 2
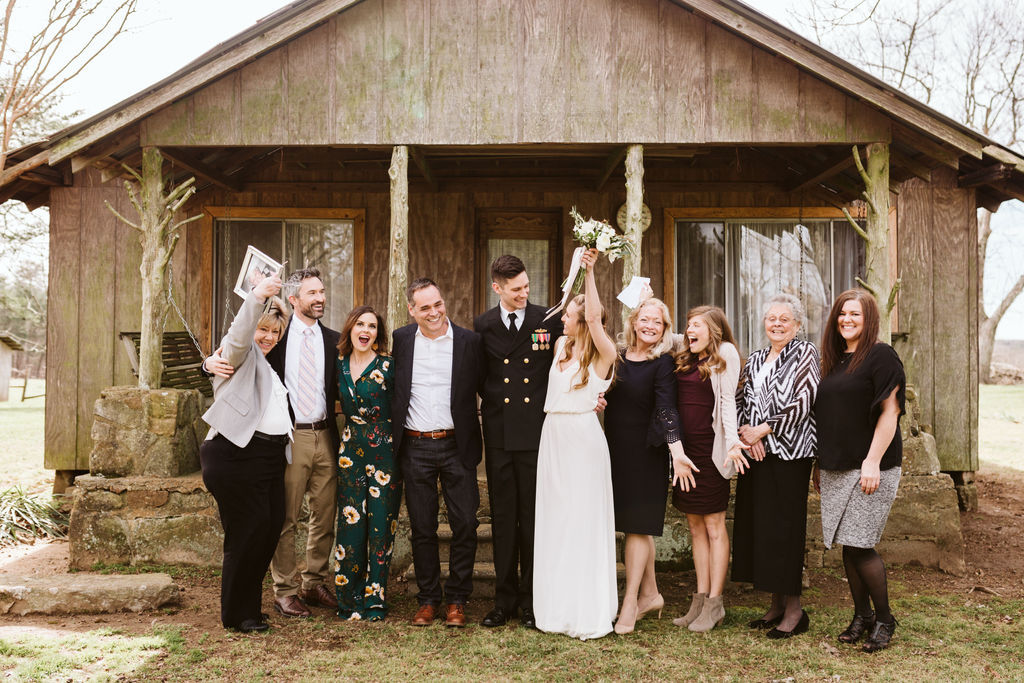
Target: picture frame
pixel 255 262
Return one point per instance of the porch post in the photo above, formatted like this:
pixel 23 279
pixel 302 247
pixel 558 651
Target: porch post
pixel 398 269
pixel 631 263
pixel 877 277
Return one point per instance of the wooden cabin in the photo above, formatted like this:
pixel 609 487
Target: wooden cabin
pixel 514 112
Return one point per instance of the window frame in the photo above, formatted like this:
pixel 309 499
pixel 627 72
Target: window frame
pixel 752 213
pixel 211 214
pixel 484 233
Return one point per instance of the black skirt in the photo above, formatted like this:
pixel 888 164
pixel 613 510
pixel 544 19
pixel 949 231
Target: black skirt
pixel 770 528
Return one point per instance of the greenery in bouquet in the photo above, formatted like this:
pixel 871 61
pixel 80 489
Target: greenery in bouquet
pixel 594 234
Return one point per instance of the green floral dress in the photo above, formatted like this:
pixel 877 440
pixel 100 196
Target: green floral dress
pixel 369 492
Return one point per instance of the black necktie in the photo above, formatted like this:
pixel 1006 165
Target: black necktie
pixel 512 325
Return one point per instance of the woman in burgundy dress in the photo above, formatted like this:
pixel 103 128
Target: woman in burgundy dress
pixel 707 372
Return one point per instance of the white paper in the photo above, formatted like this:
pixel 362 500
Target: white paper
pixel 630 296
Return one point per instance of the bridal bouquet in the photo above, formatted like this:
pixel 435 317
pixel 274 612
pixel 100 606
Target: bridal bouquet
pixel 594 234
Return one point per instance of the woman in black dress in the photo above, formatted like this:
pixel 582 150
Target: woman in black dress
pixel 774 404
pixel 642 425
pixel 707 372
pixel 860 400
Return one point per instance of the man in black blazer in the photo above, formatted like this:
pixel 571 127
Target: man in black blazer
pixel 518 356
pixel 438 367
pixel 305 360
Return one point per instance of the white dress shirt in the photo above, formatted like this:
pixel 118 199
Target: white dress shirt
pixel 430 397
pixel 520 314
pixel 293 356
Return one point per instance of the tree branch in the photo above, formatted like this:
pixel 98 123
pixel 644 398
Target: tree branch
pixel 115 212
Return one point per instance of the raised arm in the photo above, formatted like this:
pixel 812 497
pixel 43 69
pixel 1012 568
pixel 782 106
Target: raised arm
pixel 238 341
pixel 606 351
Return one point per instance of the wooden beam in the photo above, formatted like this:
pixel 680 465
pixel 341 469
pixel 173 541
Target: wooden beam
pixel 985 176
pixel 922 144
pixel 832 166
pixel 424 166
pixel 101 150
pixel 203 171
pixel 987 201
pixel 14 172
pixel 881 97
pixel 193 77
pixel 912 166
pixel 1009 189
pixel 1000 154
pixel 613 160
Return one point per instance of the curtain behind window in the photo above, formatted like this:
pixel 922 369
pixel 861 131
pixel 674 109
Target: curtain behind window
pixel 535 255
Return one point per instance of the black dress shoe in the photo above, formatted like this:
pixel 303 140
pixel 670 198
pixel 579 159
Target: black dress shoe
pixel 880 636
pixel 252 626
pixel 496 617
pixel 764 624
pixel 801 627
pixel 528 620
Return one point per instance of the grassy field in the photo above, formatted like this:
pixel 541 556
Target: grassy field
pixel 1001 425
pixel 21 433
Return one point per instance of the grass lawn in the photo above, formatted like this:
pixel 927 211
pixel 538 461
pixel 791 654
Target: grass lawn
pixel 21 436
pixel 1001 425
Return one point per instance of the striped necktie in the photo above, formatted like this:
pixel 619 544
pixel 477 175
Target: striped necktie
pixel 307 375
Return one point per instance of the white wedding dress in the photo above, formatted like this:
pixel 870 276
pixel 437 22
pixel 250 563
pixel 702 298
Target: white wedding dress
pixel 574 588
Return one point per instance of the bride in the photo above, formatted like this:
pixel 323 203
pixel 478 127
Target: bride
pixel 574 585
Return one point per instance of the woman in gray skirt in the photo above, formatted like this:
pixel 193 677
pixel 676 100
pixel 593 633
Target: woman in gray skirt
pixel 860 400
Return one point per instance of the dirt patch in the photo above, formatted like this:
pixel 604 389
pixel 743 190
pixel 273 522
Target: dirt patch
pixel 994 551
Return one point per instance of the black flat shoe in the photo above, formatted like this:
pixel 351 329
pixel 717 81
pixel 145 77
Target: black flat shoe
pixel 801 627
pixel 496 617
pixel 528 620
pixel 763 624
pixel 252 626
pixel 880 636
pixel 860 625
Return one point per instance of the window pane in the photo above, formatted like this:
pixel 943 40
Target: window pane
pixel 536 255
pixel 848 257
pixel 328 247
pixel 231 239
pixel 700 267
pixel 775 257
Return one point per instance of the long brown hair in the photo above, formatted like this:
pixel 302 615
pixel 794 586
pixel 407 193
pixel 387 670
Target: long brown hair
pixel 833 346
pixel 584 340
pixel 721 332
pixel 345 342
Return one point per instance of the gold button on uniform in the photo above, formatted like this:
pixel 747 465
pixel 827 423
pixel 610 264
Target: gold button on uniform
pixel 506 400
pixel 526 380
pixel 526 400
pixel 506 361
pixel 506 380
pixel 525 360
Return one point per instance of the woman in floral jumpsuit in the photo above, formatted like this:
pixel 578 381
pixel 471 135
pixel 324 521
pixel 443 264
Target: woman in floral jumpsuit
pixel 369 492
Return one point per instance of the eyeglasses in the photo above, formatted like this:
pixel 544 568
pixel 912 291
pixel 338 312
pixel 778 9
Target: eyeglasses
pixel 781 321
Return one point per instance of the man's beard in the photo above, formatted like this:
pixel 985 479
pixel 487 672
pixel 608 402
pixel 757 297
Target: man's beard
pixel 310 313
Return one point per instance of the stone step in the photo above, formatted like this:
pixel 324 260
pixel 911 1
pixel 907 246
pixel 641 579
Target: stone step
pixel 484 542
pixel 85 593
pixel 483 578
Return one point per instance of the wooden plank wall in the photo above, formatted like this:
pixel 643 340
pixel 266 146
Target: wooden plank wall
pixel 515 71
pixel 938 237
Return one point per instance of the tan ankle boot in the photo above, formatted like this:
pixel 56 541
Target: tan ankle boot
pixel 711 616
pixel 695 608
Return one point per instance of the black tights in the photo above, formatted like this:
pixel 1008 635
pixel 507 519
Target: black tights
pixel 866 573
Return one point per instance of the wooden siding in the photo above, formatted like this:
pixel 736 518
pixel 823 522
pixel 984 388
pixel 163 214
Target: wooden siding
pixel 503 72
pixel 938 262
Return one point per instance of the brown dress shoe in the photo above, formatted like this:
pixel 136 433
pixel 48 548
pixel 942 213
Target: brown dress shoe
pixel 456 615
pixel 425 615
pixel 291 606
pixel 318 597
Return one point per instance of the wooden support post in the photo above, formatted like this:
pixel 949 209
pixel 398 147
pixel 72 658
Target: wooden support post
pixel 631 263
pixel 398 269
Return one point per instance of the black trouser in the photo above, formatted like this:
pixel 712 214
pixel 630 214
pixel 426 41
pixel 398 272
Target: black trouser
pixel 248 485
pixel 423 462
pixel 512 488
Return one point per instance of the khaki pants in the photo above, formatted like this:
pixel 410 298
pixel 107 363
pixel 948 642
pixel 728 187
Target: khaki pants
pixel 311 471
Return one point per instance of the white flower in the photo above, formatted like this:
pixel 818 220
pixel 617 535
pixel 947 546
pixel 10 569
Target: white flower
pixel 603 242
pixel 339 553
pixel 382 478
pixel 351 514
pixel 370 469
pixel 375 492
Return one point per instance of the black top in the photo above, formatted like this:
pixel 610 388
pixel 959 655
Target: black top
pixel 849 404
pixel 516 376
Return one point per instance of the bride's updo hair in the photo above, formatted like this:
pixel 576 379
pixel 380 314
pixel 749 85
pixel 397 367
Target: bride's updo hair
pixel 582 338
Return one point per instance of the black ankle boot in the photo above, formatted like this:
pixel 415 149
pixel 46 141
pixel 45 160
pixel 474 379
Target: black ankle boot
pixel 860 625
pixel 880 636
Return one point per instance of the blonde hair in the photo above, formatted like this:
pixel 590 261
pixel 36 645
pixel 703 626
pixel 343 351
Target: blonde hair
pixel 627 338
pixel 588 353
pixel 720 332
pixel 275 317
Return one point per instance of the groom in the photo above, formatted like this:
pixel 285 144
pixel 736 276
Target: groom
pixel 518 352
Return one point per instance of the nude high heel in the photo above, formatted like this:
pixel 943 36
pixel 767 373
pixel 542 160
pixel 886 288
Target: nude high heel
pixel 657 603
pixel 623 627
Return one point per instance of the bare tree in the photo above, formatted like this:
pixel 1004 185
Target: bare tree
pixel 34 69
pixel 966 59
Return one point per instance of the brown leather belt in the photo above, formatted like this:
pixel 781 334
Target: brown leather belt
pixel 322 424
pixel 436 434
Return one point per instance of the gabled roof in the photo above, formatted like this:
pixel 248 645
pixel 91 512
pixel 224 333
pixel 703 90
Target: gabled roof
pixel 32 169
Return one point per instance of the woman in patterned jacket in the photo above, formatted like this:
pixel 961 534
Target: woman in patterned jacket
pixel 774 407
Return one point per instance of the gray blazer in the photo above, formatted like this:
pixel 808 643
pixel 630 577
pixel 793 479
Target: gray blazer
pixel 240 400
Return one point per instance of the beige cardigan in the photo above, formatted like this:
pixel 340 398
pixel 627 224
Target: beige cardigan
pixel 723 417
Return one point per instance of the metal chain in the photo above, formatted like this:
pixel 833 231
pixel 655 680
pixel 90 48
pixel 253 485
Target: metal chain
pixel 174 304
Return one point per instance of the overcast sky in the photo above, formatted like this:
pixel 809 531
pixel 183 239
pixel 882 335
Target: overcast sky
pixel 164 36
